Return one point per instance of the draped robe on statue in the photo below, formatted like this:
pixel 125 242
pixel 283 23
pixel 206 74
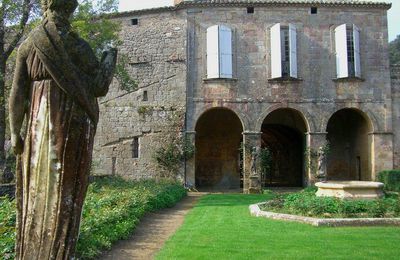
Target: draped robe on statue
pixel 59 72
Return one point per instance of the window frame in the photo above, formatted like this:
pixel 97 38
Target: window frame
pixel 219 52
pixel 347 52
pixel 283 46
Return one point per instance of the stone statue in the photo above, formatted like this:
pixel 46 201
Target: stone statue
pixel 56 84
pixel 321 164
pixel 254 161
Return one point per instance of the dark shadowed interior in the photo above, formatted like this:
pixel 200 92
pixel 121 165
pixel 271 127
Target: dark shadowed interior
pixel 283 133
pixel 349 157
pixel 218 138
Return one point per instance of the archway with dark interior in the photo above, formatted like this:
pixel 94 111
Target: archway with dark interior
pixel 349 157
pixel 283 134
pixel 218 140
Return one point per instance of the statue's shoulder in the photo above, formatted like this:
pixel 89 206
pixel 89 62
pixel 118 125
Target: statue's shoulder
pixel 36 32
pixel 26 45
pixel 28 42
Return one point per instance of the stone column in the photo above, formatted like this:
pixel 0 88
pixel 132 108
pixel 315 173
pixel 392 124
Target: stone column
pixel 250 185
pixel 313 142
pixel 190 164
pixel 381 153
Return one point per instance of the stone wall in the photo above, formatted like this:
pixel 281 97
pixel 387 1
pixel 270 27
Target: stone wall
pixel 395 76
pixel 317 95
pixel 156 50
pixel 167 56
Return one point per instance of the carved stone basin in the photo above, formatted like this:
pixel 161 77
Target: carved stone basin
pixel 350 189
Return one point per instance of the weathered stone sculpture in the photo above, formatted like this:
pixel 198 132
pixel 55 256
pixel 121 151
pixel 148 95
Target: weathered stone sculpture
pixel 321 175
pixel 255 177
pixel 254 161
pixel 56 83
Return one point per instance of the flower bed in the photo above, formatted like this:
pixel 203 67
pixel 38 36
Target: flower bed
pixel 113 208
pixel 307 204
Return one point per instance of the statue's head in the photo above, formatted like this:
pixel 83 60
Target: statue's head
pixel 64 7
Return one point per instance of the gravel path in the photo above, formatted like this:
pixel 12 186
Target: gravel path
pixel 152 232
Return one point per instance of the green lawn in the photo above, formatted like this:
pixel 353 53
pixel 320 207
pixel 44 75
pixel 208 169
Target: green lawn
pixel 220 227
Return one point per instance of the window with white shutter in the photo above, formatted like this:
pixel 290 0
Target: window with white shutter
pixel 213 52
pixel 357 61
pixel 283 51
pixel 219 52
pixel 293 50
pixel 342 70
pixel 276 51
pixel 347 41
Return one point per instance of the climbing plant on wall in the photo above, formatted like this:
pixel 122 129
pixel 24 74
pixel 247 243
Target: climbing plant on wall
pixel 266 163
pixel 175 148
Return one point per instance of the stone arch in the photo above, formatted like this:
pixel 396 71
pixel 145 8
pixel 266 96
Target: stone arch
pixel 218 141
pixel 308 119
pixel 348 132
pixel 244 119
pixel 367 114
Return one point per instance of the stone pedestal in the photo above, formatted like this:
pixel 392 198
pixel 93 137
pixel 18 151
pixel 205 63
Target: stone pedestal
pixel 255 186
pixel 350 189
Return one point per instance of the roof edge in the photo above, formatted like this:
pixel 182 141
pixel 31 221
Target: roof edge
pixel 300 3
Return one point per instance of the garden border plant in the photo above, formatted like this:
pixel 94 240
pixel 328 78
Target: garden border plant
pixel 391 179
pixel 306 207
pixel 113 208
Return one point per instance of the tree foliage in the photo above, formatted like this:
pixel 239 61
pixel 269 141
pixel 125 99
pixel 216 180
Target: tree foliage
pixel 394 51
pixel 14 20
pixel 101 33
pixel 19 17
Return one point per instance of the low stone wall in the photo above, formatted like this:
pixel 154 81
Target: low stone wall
pixel 320 222
pixel 7 190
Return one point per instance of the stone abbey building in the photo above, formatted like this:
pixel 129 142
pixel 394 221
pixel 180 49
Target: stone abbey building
pixel 291 76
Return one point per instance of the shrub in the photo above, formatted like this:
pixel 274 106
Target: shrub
pixel 306 203
pixel 7 230
pixel 391 179
pixel 113 208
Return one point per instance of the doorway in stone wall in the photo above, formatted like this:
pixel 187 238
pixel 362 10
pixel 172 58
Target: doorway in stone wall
pixel 350 146
pixel 283 134
pixel 218 138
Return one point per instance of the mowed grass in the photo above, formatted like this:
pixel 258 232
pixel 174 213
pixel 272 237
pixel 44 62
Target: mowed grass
pixel 220 227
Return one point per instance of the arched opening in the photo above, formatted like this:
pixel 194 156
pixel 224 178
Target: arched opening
pixel 218 138
pixel 349 157
pixel 283 134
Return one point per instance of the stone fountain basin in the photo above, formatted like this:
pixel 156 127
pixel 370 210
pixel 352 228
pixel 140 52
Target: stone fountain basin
pixel 350 189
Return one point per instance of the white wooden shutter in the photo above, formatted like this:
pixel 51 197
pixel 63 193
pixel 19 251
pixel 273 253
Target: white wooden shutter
pixel 276 62
pixel 213 52
pixel 225 52
pixel 342 68
pixel 356 42
pixel 293 50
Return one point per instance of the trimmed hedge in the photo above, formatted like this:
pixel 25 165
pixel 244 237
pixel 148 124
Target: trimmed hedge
pixel 113 207
pixel 391 179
